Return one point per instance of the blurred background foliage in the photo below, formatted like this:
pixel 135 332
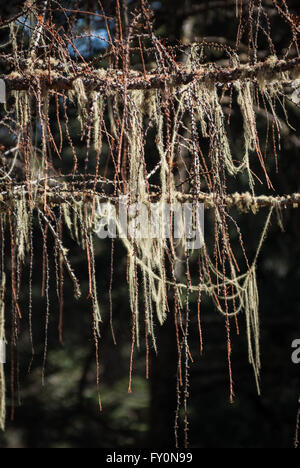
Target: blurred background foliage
pixel 64 413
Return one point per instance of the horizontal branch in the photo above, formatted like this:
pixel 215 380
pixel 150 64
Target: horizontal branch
pixel 243 202
pixel 115 81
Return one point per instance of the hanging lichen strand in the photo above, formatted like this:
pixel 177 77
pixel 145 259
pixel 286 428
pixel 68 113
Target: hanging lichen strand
pixel 179 113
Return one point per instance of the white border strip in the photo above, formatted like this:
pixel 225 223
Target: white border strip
pixel 2 352
pixel 2 91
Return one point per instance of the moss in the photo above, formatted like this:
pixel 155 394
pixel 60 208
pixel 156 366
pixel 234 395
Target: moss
pixel 97 112
pixel 78 95
pixel 177 116
pixel 245 101
pixel 22 227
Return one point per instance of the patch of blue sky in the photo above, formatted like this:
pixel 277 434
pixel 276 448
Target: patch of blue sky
pixel 25 23
pixel 156 5
pixel 93 43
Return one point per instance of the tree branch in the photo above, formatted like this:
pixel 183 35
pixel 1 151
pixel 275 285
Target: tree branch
pixel 244 202
pixel 111 82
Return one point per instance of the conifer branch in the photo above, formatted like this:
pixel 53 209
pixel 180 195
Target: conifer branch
pixel 107 82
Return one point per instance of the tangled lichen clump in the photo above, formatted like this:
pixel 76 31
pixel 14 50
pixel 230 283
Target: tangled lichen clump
pixel 150 256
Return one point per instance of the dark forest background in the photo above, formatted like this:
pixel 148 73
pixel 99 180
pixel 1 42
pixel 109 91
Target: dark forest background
pixel 64 413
